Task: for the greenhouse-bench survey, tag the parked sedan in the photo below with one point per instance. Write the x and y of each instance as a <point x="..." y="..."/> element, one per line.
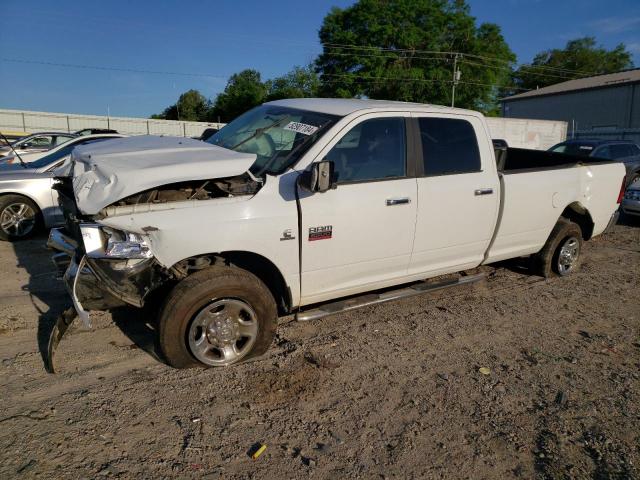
<point x="37" y="142"/>
<point x="27" y="201"/>
<point x="621" y="150"/>
<point x="631" y="202"/>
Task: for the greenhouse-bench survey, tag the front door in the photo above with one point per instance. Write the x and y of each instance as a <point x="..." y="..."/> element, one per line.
<point x="359" y="236"/>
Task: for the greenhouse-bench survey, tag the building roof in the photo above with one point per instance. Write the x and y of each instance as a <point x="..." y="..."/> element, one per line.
<point x="346" y="106"/>
<point x="598" y="81"/>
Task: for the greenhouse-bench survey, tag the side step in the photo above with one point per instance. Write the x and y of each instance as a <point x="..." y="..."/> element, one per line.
<point x="376" y="298"/>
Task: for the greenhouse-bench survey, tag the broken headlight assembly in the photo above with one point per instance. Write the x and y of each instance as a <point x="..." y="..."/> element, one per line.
<point x="106" y="242"/>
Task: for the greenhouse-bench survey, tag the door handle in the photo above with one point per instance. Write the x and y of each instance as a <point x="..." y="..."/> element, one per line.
<point x="397" y="201"/>
<point x="484" y="191"/>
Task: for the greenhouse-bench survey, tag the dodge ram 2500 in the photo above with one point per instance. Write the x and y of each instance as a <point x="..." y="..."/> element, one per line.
<point x="301" y="206"/>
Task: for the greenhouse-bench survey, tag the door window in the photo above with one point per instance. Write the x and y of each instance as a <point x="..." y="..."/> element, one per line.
<point x="372" y="150"/>
<point x="40" y="142"/>
<point x="449" y="146"/>
<point x="60" y="139"/>
<point x="620" y="150"/>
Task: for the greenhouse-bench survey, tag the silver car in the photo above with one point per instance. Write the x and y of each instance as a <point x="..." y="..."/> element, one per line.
<point x="631" y="201"/>
<point x="27" y="201"/>
<point x="38" y="142"/>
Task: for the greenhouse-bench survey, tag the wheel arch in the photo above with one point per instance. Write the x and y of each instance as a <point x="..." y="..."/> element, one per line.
<point x="579" y="214"/>
<point x="257" y="264"/>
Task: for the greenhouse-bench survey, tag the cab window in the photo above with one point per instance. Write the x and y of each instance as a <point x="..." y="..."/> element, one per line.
<point x="449" y="146"/>
<point x="372" y="150"/>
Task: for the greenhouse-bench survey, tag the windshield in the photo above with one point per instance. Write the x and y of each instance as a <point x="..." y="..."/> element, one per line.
<point x="61" y="153"/>
<point x="277" y="135"/>
<point x="583" y="149"/>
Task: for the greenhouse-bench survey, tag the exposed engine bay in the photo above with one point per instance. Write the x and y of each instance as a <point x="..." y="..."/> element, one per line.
<point x="243" y="184"/>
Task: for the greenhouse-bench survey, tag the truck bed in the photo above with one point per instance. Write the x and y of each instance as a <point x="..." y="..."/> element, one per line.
<point x="537" y="187"/>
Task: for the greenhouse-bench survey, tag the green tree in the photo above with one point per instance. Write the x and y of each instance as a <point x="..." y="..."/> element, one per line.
<point x="579" y="58"/>
<point x="394" y="50"/>
<point x="244" y="91"/>
<point x="300" y="82"/>
<point x="191" y="106"/>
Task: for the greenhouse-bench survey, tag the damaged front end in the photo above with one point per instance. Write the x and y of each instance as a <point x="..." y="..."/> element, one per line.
<point x="105" y="268"/>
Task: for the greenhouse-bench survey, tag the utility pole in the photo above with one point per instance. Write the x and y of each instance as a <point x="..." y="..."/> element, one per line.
<point x="456" y="79"/>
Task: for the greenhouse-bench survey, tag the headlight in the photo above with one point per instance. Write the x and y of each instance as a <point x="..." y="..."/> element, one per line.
<point x="106" y="242"/>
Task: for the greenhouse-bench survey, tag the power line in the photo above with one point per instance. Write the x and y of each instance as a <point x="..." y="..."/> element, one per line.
<point x="450" y="53"/>
<point x="420" y="80"/>
<point x="115" y="69"/>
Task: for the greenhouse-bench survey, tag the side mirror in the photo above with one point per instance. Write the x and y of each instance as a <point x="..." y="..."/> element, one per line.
<point x="319" y="178"/>
<point x="25" y="145"/>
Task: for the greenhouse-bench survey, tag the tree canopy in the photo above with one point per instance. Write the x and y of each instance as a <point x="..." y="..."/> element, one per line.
<point x="579" y="58"/>
<point x="191" y="106"/>
<point x="407" y="50"/>
<point x="393" y="50"/>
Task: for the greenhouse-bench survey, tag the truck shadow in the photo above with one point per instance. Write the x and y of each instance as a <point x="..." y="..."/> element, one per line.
<point x="45" y="292"/>
<point x="139" y="326"/>
<point x="47" y="295"/>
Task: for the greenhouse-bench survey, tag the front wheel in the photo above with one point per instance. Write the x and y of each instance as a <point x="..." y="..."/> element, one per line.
<point x="19" y="217"/>
<point x="216" y="317"/>
<point x="561" y="254"/>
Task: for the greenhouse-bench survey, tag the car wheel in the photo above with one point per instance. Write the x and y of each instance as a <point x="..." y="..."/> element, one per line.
<point x="561" y="253"/>
<point x="216" y="317"/>
<point x="19" y="217"/>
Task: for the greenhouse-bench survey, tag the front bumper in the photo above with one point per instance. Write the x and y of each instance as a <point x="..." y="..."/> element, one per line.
<point x="631" y="207"/>
<point x="103" y="284"/>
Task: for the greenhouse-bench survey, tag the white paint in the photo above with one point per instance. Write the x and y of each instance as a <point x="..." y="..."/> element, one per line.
<point x="528" y="133"/>
<point x="444" y="228"/>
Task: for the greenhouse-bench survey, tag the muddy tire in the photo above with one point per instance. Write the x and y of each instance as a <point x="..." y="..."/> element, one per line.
<point x="20" y="218"/>
<point x="216" y="317"/>
<point x="560" y="256"/>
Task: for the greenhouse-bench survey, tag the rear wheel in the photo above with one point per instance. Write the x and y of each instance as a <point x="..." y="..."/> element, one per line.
<point x="19" y="217"/>
<point x="561" y="254"/>
<point x="216" y="317"/>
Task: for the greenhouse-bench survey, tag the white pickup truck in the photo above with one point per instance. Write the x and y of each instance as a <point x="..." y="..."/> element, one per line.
<point x="301" y="207"/>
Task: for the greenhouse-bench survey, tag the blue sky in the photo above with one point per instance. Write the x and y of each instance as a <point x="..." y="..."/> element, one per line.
<point x="223" y="37"/>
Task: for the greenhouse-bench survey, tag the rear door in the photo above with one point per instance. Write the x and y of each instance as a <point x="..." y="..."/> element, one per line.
<point x="458" y="194"/>
<point x="359" y="236"/>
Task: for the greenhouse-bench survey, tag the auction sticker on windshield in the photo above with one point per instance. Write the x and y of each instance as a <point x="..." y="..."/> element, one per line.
<point x="302" y="128"/>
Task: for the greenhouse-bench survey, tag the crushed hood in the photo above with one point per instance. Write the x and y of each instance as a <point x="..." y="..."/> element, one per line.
<point x="108" y="171"/>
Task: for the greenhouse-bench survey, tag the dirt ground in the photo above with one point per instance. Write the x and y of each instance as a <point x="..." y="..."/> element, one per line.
<point x="391" y="391"/>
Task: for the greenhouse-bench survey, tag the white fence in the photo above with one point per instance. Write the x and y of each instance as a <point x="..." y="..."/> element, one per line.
<point x="526" y="133"/>
<point x="27" y="121"/>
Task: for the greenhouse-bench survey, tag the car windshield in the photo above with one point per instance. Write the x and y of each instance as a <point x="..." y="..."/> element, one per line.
<point x="277" y="135"/>
<point x="61" y="153"/>
<point x="583" y="149"/>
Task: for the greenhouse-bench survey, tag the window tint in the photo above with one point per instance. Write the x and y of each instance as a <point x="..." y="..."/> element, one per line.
<point x="372" y="150"/>
<point x="449" y="146"/>
<point x="620" y="150"/>
<point x="60" y="139"/>
<point x="40" y="142"/>
<point x="62" y="152"/>
<point x="603" y="152"/>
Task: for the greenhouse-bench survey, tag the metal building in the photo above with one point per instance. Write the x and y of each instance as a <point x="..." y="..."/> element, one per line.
<point x="603" y="106"/>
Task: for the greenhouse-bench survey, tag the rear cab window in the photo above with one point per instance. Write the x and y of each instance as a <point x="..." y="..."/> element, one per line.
<point x="449" y="146"/>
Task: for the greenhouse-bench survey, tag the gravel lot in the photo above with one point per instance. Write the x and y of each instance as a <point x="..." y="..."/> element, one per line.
<point x="392" y="391"/>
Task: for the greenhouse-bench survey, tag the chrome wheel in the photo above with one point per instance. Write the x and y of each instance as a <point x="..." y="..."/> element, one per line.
<point x="17" y="220"/>
<point x="568" y="255"/>
<point x="223" y="332"/>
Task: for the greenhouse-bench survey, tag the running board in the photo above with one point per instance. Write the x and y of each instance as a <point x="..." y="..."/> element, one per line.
<point x="388" y="296"/>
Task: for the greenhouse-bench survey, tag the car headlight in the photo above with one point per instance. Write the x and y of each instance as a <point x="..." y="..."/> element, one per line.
<point x="106" y="242"/>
